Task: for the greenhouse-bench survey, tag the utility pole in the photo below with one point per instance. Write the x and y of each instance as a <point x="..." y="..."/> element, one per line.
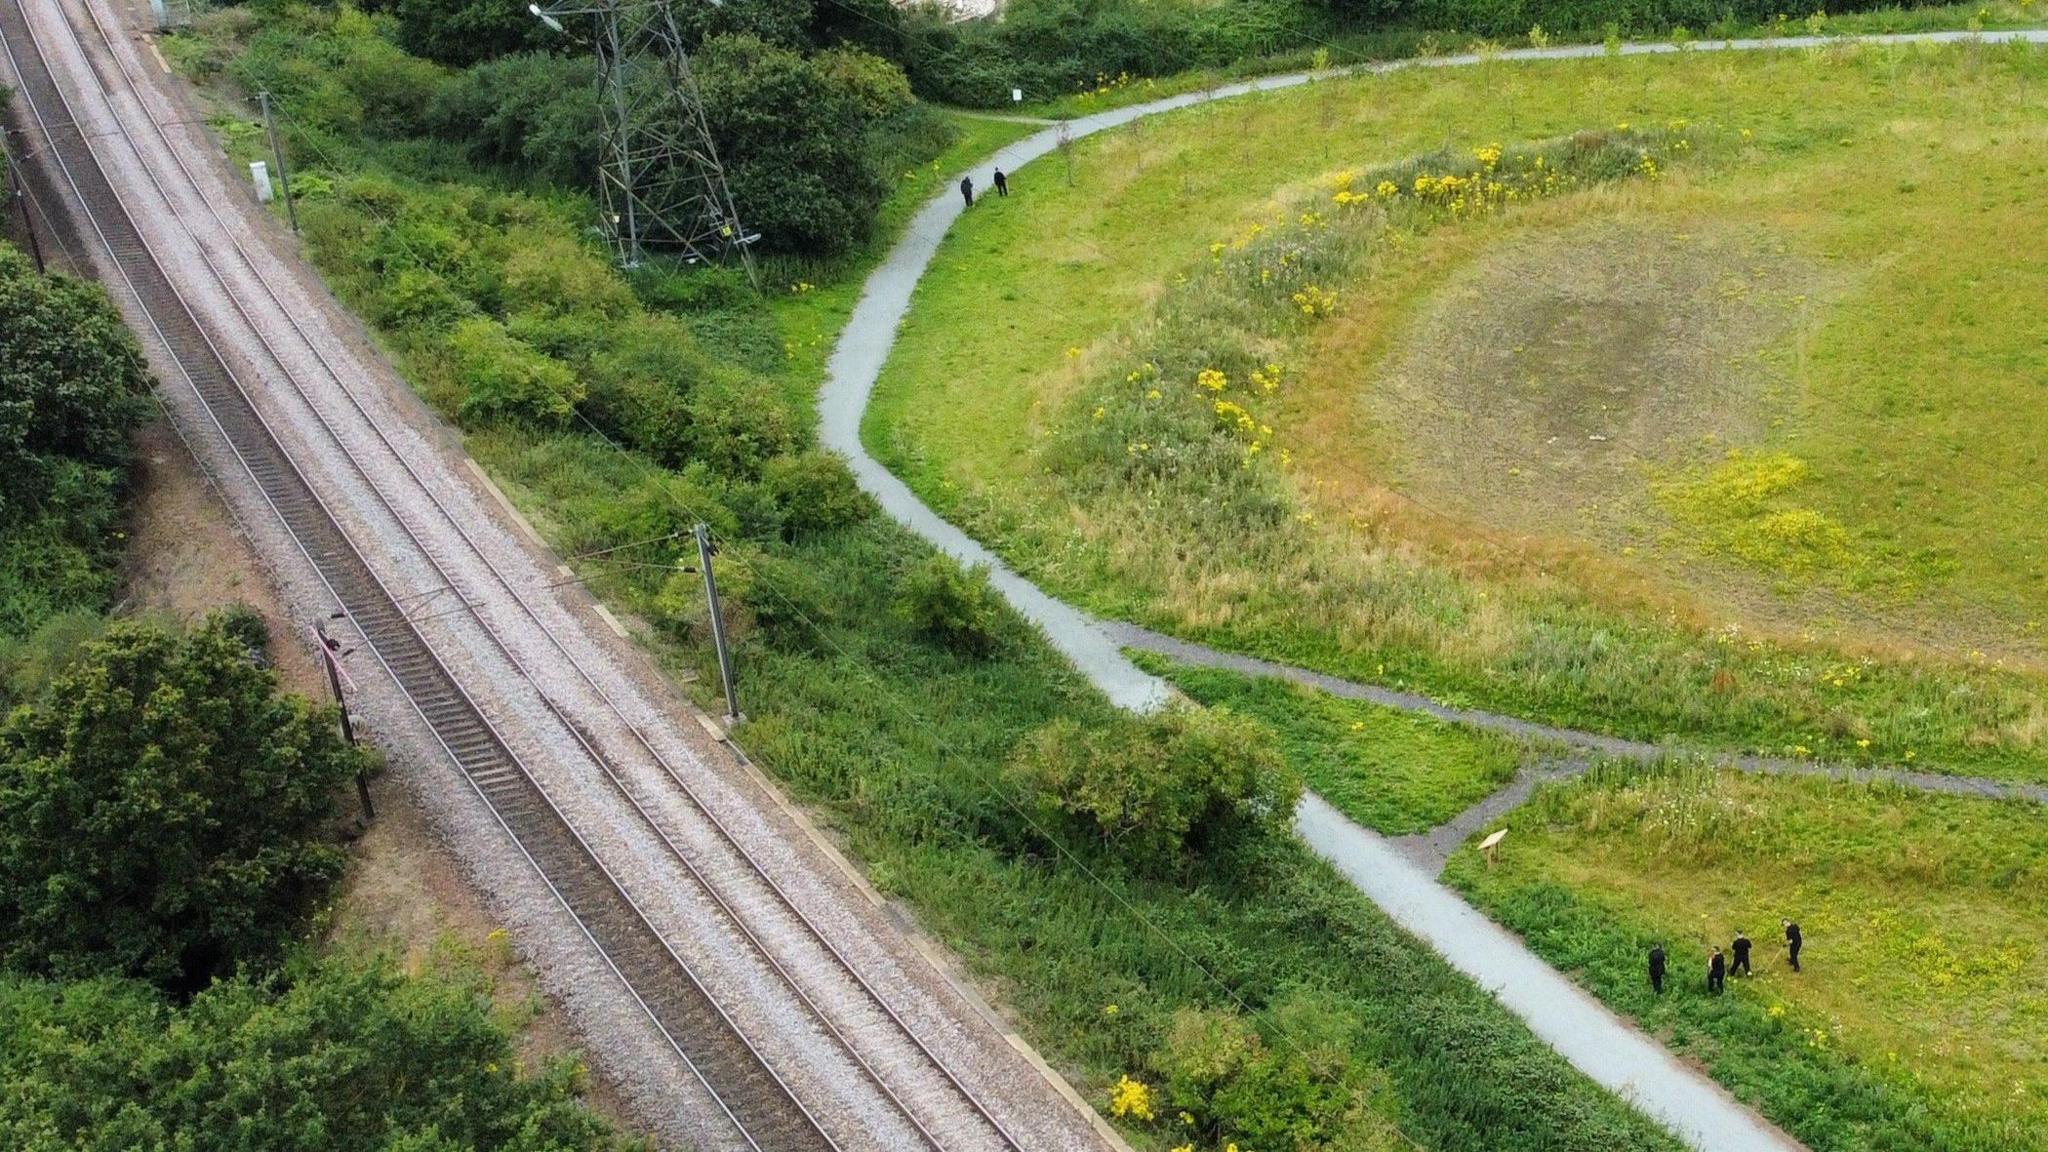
<point x="20" y="189"/>
<point x="733" y="715"/>
<point x="660" y="181"/>
<point x="284" y="178"/>
<point x="330" y="656"/>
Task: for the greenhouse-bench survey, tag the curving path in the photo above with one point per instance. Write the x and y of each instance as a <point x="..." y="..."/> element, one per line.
<point x="1620" y="748"/>
<point x="1598" y="1043"/>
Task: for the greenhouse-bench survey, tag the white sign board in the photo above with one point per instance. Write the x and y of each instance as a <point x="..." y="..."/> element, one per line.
<point x="1016" y="95"/>
<point x="259" y="175"/>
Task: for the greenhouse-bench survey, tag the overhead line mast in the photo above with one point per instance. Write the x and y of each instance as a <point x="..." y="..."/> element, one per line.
<point x="661" y="182"/>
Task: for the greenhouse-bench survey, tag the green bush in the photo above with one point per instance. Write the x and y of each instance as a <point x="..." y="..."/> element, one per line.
<point x="337" y="1056"/>
<point x="530" y="112"/>
<point x="735" y="425"/>
<point x="465" y="32"/>
<point x="952" y="605"/>
<point x="505" y="380"/>
<point x="815" y="492"/>
<point x="792" y="132"/>
<point x="1158" y="789"/>
<point x="73" y="388"/>
<point x="165" y="812"/>
<point x="1228" y="1086"/>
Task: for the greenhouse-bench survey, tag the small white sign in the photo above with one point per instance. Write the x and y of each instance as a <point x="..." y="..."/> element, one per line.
<point x="259" y="175"/>
<point x="1016" y="95"/>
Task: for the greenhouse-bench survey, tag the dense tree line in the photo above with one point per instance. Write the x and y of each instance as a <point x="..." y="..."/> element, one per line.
<point x="72" y="390"/>
<point x="807" y="119"/>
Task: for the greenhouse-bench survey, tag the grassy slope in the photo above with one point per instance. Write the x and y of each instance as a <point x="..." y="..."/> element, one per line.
<point x="1396" y="772"/>
<point x="990" y="348"/>
<point x="1921" y="1018"/>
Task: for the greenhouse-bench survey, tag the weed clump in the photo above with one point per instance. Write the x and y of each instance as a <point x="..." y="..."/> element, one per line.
<point x="1158" y="790"/>
<point x="955" y="606"/>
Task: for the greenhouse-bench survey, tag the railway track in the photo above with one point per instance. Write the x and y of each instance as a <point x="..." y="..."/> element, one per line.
<point x="762" y="1107"/>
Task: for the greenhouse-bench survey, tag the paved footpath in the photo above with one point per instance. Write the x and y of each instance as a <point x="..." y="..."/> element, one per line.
<point x="1604" y="1047"/>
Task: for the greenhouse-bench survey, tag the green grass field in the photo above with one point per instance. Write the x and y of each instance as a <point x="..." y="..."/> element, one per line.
<point x="1919" y="1016"/>
<point x="1723" y="454"/>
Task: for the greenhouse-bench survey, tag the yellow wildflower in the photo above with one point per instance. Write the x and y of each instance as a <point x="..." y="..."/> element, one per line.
<point x="1130" y="1098"/>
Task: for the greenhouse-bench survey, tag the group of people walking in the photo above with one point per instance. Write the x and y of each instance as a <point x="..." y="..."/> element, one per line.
<point x="1718" y="966"/>
<point x="967" y="187"/>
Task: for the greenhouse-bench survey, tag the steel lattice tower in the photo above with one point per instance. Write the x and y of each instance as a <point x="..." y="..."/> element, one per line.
<point x="661" y="182"/>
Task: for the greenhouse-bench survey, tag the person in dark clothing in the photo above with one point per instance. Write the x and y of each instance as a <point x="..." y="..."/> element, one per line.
<point x="1792" y="943"/>
<point x="967" y="190"/>
<point x="1002" y="183"/>
<point x="1657" y="969"/>
<point x="1741" y="953"/>
<point x="1717" y="972"/>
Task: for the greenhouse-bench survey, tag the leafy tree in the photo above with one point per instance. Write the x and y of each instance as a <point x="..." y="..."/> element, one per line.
<point x="465" y="32"/>
<point x="955" y="606"/>
<point x="792" y="133"/>
<point x="165" y="812"/>
<point x="338" y="1056"/>
<point x="784" y="23"/>
<point x="1157" y="789"/>
<point x="73" y="388"/>
<point x="531" y="111"/>
<point x="72" y="381"/>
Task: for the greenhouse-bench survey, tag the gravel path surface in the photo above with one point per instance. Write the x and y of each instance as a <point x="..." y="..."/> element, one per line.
<point x="1605" y="1048"/>
<point x="688" y="827"/>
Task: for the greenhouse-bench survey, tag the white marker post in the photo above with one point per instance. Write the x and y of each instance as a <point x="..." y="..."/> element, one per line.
<point x="259" y="175"/>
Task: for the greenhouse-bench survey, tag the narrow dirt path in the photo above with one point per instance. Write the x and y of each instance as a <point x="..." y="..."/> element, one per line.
<point x="1600" y="1044"/>
<point x="1189" y="652"/>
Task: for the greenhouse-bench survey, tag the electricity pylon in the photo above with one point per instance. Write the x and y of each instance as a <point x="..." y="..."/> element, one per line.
<point x="661" y="182"/>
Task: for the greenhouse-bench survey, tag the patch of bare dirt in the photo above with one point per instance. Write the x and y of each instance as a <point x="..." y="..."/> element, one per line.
<point x="186" y="558"/>
<point x="1544" y="383"/>
<point x="405" y="896"/>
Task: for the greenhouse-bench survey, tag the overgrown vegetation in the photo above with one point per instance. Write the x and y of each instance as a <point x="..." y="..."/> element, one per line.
<point x="812" y="129"/>
<point x="332" y="1054"/>
<point x="1915" y="1022"/>
<point x="73" y="388"/>
<point x="165" y="813"/>
<point x="169" y="833"/>
<point x="619" y="411"/>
